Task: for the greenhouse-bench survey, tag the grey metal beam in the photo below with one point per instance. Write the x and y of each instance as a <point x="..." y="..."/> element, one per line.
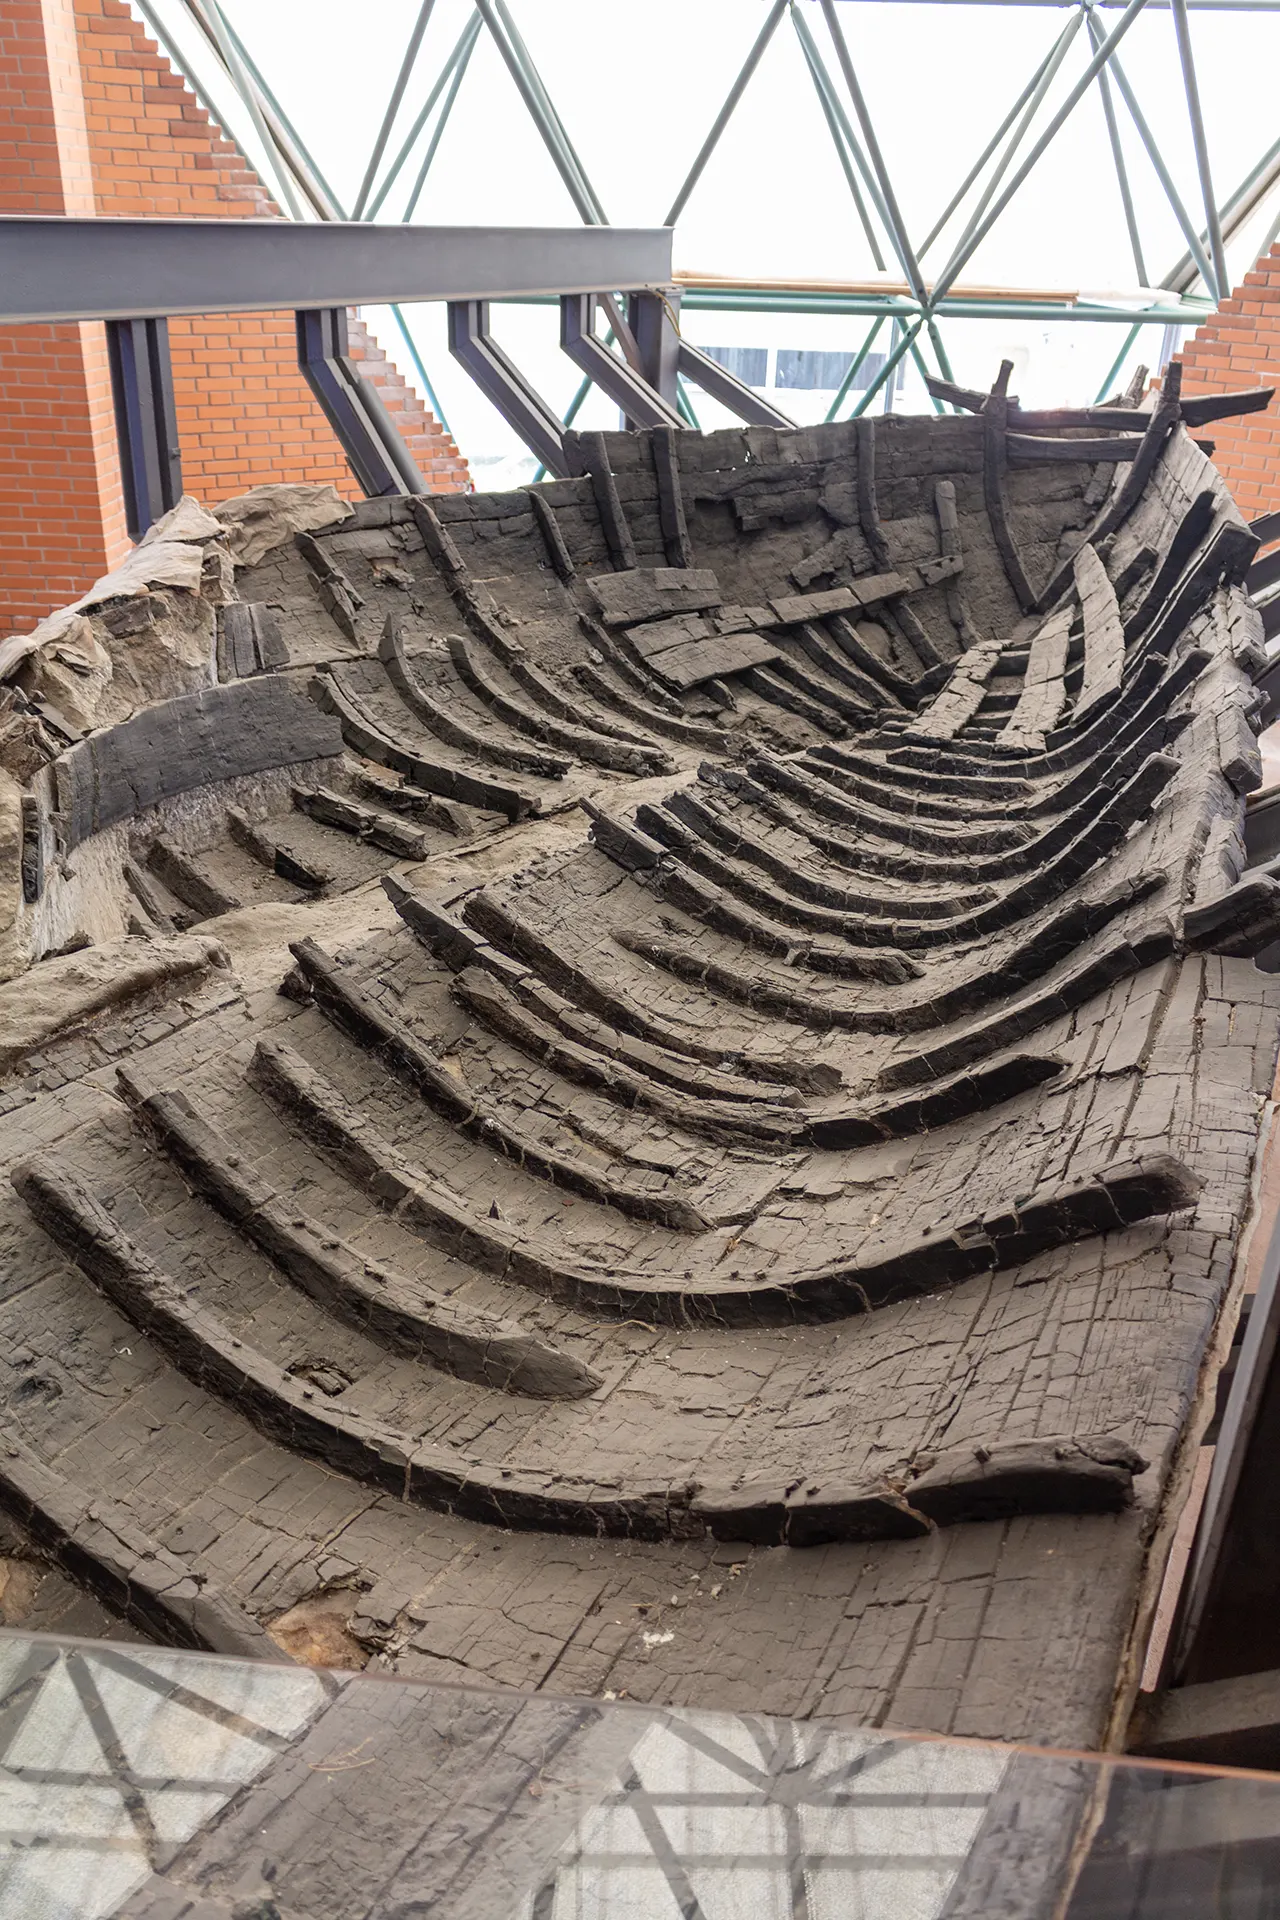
<point x="725" y="114"/>
<point x="393" y="105"/>
<point x="1068" y="107"/>
<point x="1232" y="215"/>
<point x="831" y="113"/>
<point x="58" y="268"/>
<point x="1182" y="28"/>
<point x="1162" y="173"/>
<point x="897" y="226"/>
<point x="1066" y="34"/>
<point x="1117" y="154"/>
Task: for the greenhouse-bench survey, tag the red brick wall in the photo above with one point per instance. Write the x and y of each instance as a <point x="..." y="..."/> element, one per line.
<point x="61" y="516"/>
<point x="1240" y="347"/>
<point x="94" y="121"/>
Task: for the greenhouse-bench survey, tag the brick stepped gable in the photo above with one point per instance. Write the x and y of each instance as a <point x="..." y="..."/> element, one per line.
<point x="846" y="1135"/>
<point x="1236" y="346"/>
<point x="104" y="126"/>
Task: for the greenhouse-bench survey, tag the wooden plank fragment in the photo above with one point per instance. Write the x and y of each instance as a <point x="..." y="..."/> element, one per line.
<point x="1103" y="631"/>
<point x="1027" y="449"/>
<point x="1044" y="690"/>
<point x="659" y="636"/>
<point x="869" y="591"/>
<point x="699" y="660"/>
<point x="962" y="695"/>
<point x="650" y="593"/>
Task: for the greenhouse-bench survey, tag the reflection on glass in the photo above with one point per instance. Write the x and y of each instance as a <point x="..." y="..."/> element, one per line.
<point x="135" y="1780"/>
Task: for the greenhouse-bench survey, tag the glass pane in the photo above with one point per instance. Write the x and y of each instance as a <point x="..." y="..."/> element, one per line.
<point x="134" y="1780"/>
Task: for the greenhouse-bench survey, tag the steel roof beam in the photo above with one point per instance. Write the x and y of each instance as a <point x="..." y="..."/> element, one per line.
<point x="58" y="268"/>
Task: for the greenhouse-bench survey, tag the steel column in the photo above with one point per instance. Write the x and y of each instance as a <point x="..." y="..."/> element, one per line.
<point x="502" y="383"/>
<point x="655" y="326"/>
<point x="625" y="388"/>
<point x="375" y="451"/>
<point x="146" y="421"/>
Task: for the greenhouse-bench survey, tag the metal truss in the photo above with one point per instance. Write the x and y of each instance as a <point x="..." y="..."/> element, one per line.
<point x="930" y="292"/>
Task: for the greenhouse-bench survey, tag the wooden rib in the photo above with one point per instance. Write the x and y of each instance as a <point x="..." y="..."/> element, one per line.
<point x="203" y="1347"/>
<point x="101" y="1546"/>
<point x="691" y="732"/>
<point x="675" y="531"/>
<point x="868" y="508"/>
<point x="601" y="749"/>
<point x="361" y="732"/>
<point x="408" y="1317"/>
<point x="613" y="519"/>
<point x="1093" y="1201"/>
<point x="995" y="459"/>
<point x="552" y="538"/>
<point x="713" y="906"/>
<point x="575" y="1059"/>
<point x="512" y="934"/>
<point x="342" y="1002"/>
<point x="1036" y="955"/>
<point x="1116" y="511"/>
<point x="437" y="718"/>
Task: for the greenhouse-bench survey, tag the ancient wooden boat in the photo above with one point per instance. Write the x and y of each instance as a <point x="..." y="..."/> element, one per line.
<point x="699" y="1142"/>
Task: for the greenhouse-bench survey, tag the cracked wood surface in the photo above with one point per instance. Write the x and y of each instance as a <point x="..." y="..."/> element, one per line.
<point x="789" y="1125"/>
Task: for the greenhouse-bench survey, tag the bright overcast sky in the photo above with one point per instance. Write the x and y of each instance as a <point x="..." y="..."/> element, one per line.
<point x="638" y="87"/>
